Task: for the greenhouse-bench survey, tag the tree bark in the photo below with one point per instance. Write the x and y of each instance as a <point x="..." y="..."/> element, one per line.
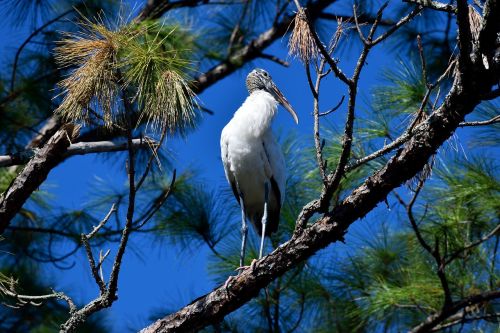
<point x="34" y="174"/>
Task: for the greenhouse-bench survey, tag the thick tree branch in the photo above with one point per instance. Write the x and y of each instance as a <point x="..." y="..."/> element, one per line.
<point x="34" y="174"/>
<point x="405" y="164"/>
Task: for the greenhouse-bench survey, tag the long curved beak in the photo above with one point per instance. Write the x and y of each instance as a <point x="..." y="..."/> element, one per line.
<point x="279" y="96"/>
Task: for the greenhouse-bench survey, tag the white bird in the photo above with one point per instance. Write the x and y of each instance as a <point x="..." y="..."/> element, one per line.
<point x="253" y="161"/>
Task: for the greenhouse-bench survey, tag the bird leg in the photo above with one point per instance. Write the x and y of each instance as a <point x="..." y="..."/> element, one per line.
<point x="264" y="218"/>
<point x="244" y="232"/>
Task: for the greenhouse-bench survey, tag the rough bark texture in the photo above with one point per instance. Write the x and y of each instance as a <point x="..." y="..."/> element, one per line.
<point x="405" y="164"/>
<point x="34" y="174"/>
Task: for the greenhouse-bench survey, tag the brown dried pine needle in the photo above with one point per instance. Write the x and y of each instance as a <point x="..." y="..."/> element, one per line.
<point x="475" y="21"/>
<point x="93" y="81"/>
<point x="301" y="42"/>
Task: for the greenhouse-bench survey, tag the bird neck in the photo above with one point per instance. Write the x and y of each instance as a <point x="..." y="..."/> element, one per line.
<point x="258" y="111"/>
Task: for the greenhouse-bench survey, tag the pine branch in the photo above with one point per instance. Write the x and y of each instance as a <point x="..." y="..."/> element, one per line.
<point x="434" y="320"/>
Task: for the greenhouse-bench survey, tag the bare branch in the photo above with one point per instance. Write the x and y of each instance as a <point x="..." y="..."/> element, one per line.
<point x="79" y="148"/>
<point x="275" y="59"/>
<point x="436" y="5"/>
<point x="483" y="239"/>
<point x="156" y="204"/>
<point x="335" y="108"/>
<point x="9" y="290"/>
<point x="85" y="240"/>
<point x="398" y="25"/>
<point x="30" y="37"/>
<point x="491" y="121"/>
<point x="360" y="33"/>
<point x="435" y="319"/>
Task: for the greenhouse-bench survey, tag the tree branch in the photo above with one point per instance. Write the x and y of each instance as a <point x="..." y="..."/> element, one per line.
<point x="436" y="5"/>
<point x="405" y="164"/>
<point x="433" y="320"/>
<point x="34" y="174"/>
<point x="491" y="121"/>
<point x="79" y="148"/>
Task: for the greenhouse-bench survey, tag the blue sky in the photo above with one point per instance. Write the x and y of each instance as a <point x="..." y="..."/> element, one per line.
<point x="155" y="277"/>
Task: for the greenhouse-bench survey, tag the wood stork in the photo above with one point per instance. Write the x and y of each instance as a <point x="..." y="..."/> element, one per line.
<point x="253" y="161"/>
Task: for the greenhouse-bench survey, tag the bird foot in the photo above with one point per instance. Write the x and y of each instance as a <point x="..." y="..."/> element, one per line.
<point x="230" y="279"/>
<point x="242" y="268"/>
<point x="227" y="284"/>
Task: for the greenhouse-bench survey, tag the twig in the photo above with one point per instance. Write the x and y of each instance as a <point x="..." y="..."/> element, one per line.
<point x="317" y="138"/>
<point x="435" y="319"/>
<point x="411" y="218"/>
<point x="85" y="240"/>
<point x="35" y="300"/>
<point x="400" y="23"/>
<point x="407" y="135"/>
<point x="33" y="34"/>
<point x="154" y="155"/>
<point x="491" y="121"/>
<point x="464" y="319"/>
<point x="422" y="60"/>
<point x="157" y="204"/>
<point x="360" y="33"/>
<point x="483" y="239"/>
<point x="335" y="108"/>
<point x="275" y="59"/>
<point x="236" y="28"/>
<point x="334" y="180"/>
<point x="435" y="253"/>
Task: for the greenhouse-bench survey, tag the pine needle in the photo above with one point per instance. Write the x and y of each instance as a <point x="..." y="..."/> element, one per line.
<point x="301" y="42"/>
<point x="93" y="81"/>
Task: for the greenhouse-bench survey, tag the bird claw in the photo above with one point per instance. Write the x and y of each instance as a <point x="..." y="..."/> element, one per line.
<point x="252" y="266"/>
<point x="227" y="284"/>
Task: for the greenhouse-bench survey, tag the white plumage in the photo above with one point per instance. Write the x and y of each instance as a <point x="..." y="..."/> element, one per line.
<point x="252" y="158"/>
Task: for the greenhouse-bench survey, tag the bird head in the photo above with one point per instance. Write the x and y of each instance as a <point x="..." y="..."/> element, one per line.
<point x="259" y="79"/>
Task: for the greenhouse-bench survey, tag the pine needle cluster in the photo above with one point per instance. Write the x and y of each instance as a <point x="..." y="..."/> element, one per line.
<point x="141" y="65"/>
<point x="301" y="41"/>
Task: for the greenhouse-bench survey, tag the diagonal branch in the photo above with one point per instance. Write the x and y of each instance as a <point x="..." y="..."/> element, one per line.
<point x="435" y="319"/>
<point x="405" y="164"/>
<point x="34" y="174"/>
